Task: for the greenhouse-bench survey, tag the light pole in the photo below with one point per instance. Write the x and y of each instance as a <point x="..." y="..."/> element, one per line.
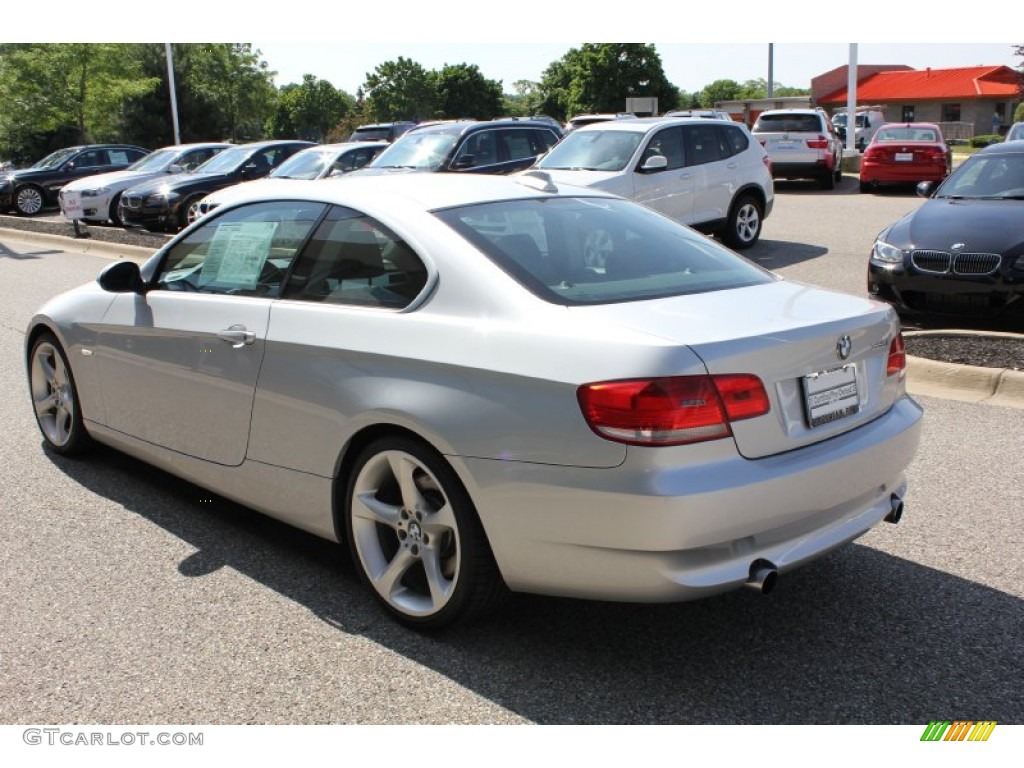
<point x="171" y="88"/>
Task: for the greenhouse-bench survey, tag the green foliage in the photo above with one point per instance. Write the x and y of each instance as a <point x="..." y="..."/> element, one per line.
<point x="308" y="111"/>
<point x="1018" y="113"/>
<point x="985" y="139"/>
<point x="719" y="90"/>
<point x="462" y="91"/>
<point x="400" y="90"/>
<point x="238" y="81"/>
<point x="599" y="77"/>
<point x="59" y="94"/>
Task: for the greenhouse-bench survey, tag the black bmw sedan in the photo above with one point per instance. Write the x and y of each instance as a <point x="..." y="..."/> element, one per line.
<point x="962" y="251"/>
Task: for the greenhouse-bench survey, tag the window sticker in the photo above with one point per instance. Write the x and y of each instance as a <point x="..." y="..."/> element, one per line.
<point x="237" y="253"/>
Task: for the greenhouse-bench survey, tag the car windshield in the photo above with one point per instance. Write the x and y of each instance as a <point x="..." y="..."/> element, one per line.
<point x="907" y="134"/>
<point x="226" y="161"/>
<point x="304" y="165"/>
<point x="1016" y="132"/>
<point x="422" y="150"/>
<point x="160" y="160"/>
<point x="593" y="151"/>
<point x="55" y="159"/>
<point x="986" y="177"/>
<point x="583" y="251"/>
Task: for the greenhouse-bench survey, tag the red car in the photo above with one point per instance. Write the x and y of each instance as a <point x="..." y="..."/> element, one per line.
<point x="905" y="153"/>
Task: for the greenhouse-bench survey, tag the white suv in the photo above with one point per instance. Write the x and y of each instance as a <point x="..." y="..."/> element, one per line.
<point x="801" y="144"/>
<point x="709" y="174"/>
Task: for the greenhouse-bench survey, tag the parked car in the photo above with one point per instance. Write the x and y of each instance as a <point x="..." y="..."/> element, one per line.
<point x="1015" y="132"/>
<point x="902" y="153"/>
<point x="317" y="162"/>
<point x="801" y="144"/>
<point x="96" y="198"/>
<point x="170" y="204"/>
<point x="960" y="252"/>
<point x="467" y="146"/>
<point x="706" y="173"/>
<point x="580" y="120"/>
<point x="381" y="131"/>
<point x="31" y="189"/>
<point x="867" y="122"/>
<point x="451" y="391"/>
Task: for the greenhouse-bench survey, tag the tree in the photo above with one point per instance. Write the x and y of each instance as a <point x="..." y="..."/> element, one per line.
<point x="54" y="94"/>
<point x="719" y="90"/>
<point x="599" y="77"/>
<point x="308" y="111"/>
<point x="462" y="91"/>
<point x="400" y="90"/>
<point x="233" y="76"/>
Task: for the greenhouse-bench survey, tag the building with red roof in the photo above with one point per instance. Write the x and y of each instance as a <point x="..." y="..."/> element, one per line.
<point x="963" y="100"/>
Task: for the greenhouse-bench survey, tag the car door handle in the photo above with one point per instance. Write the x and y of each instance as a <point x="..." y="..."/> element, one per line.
<point x="237" y="336"/>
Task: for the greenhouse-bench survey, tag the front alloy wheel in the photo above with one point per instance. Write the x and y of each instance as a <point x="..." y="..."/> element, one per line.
<point x="415" y="538"/>
<point x="55" y="398"/>
<point x="29" y="201"/>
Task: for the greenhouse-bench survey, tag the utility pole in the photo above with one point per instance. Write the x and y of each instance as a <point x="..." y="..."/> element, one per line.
<point x="172" y="89"/>
<point x="771" y="70"/>
<point x="851" y="99"/>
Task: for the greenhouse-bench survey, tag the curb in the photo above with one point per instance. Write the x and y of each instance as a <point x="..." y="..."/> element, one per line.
<point x="968" y="383"/>
<point x="86" y="245"/>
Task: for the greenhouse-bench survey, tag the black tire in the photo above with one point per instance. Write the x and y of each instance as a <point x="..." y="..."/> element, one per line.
<point x="29" y="200"/>
<point x="745" y="221"/>
<point x="113" y="214"/>
<point x="828" y="181"/>
<point x="415" y="537"/>
<point x="55" y="400"/>
<point x="865" y="187"/>
<point x="839" y="171"/>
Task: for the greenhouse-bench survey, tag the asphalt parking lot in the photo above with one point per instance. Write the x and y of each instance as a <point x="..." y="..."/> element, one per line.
<point x="129" y="596"/>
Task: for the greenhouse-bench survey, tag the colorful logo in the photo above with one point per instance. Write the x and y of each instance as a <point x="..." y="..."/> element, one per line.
<point x="958" y="730"/>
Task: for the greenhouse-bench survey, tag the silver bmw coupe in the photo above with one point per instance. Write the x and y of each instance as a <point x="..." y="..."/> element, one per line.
<point x="483" y="384"/>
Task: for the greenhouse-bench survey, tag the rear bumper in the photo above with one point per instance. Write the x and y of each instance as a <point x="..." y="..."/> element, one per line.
<point x="648" y="533"/>
<point x="893" y="173"/>
<point x="803" y="170"/>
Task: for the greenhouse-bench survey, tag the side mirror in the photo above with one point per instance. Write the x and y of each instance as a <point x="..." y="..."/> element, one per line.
<point x="122" y="277"/>
<point x="925" y="188"/>
<point x="466" y="161"/>
<point x="654" y="163"/>
<point x="176" y="169"/>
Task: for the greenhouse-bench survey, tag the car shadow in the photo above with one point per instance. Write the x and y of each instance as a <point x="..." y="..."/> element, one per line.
<point x="775" y="254"/>
<point x="1009" y="322"/>
<point x="861" y="636"/>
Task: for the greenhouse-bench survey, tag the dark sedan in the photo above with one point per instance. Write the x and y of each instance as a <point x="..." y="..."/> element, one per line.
<point x="31" y="189"/>
<point x="962" y="251"/>
<point x="164" y="204"/>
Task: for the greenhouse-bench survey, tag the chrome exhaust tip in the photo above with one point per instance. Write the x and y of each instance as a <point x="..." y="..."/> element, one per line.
<point x="895" y="509"/>
<point x="763" y="576"/>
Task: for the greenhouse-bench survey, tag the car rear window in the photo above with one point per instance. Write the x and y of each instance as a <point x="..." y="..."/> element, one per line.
<point x="580" y="251"/>
<point x="791" y="123"/>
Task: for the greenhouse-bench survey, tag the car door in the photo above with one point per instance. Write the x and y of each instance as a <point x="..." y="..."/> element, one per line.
<point x="715" y="172"/>
<point x="669" y="190"/>
<point x="178" y="364"/>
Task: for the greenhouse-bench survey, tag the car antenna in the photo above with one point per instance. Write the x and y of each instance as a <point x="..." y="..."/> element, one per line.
<point x="538" y="180"/>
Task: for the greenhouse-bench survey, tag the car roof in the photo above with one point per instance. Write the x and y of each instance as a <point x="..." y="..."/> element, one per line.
<point x="1002" y="148"/>
<point x="645" y="124"/>
<point x="463" y="126"/>
<point x="341" y="146"/>
<point x="410" y="192"/>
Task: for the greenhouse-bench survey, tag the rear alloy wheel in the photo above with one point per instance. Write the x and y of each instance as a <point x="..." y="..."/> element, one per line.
<point x="415" y="537"/>
<point x="55" y="398"/>
<point x="28" y="200"/>
<point x="193" y="212"/>
<point x="744" y="226"/>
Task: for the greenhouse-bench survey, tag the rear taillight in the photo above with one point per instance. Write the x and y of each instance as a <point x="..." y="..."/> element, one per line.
<point x="897" y="363"/>
<point x="819" y="143"/>
<point x="671" y="410"/>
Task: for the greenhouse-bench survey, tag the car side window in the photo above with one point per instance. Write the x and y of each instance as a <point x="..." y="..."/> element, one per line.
<point x="667" y="142"/>
<point x="355" y="260"/>
<point x="91" y="159"/>
<point x="701" y="144"/>
<point x="120" y="157"/>
<point x="481" y="147"/>
<point x="195" y="158"/>
<point x="735" y="139"/>
<point x="518" y="145"/>
<point x="246" y="251"/>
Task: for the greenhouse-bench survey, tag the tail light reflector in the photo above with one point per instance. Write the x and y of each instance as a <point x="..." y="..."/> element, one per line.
<point x="819" y="143"/>
<point x="672" y="410"/>
<point x="897" y="363"/>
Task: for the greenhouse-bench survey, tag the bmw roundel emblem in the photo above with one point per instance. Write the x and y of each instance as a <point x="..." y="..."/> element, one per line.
<point x="843" y="347"/>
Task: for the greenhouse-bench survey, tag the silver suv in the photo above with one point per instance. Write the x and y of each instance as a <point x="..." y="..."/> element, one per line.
<point x="710" y="174"/>
<point x="801" y="144"/>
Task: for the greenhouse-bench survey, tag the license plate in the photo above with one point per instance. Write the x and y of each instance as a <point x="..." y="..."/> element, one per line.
<point x="904" y="157"/>
<point x="831" y="395"/>
<point x="71" y="204"/>
<point x="785" y="144"/>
